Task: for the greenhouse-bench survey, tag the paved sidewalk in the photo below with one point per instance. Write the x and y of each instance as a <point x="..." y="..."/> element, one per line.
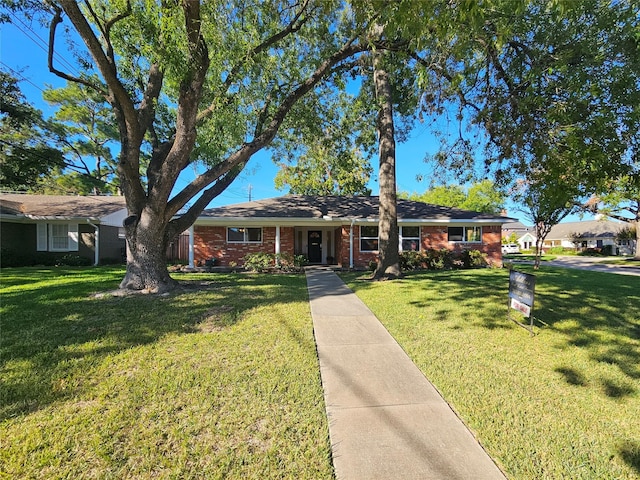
<point x="386" y="420"/>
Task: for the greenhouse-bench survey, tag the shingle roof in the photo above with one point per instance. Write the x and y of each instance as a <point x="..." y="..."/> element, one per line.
<point x="65" y="206"/>
<point x="587" y="229"/>
<point x="358" y="207"/>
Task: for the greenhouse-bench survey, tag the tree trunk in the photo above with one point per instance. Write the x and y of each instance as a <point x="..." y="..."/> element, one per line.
<point x="389" y="260"/>
<point x="147" y="255"/>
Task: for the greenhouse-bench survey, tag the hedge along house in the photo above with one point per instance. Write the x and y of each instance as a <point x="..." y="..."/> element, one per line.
<point x="336" y="230"/>
<point x="33" y="227"/>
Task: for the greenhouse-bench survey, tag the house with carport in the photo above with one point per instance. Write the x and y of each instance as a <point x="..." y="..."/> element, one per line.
<point x="336" y="230"/>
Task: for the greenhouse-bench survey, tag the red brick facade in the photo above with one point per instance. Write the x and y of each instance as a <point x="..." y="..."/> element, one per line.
<point x="211" y="242"/>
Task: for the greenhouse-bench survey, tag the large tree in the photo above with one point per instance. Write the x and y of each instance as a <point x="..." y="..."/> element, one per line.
<point x="330" y="156"/>
<point x="26" y="150"/>
<point x="555" y="86"/>
<point x="388" y="235"/>
<point x="208" y="84"/>
<point x="480" y="196"/>
<point x="87" y="133"/>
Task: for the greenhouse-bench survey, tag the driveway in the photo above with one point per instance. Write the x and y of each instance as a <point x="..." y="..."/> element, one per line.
<point x="598" y="264"/>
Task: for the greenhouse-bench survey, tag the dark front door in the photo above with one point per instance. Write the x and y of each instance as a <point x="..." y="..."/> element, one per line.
<point x="315" y="246"/>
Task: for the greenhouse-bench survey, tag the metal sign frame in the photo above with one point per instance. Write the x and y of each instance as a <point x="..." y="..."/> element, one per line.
<point x="521" y="296"/>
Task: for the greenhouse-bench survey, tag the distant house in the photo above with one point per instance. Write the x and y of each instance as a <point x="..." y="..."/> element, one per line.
<point x="36" y="227"/>
<point x="341" y="230"/>
<point x="592" y="234"/>
<point x="525" y="236"/>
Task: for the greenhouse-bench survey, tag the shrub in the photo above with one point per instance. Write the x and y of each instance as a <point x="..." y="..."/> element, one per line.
<point x="412" y="260"/>
<point x="556" y="250"/>
<point x="607" y="250"/>
<point x="70" y="260"/>
<point x="291" y="263"/>
<point x="259" y="262"/>
<point x="439" y="259"/>
<point x="473" y="259"/>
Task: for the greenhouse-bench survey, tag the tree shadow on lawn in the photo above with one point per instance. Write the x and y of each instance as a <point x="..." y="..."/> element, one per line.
<point x="598" y="312"/>
<point x="58" y="333"/>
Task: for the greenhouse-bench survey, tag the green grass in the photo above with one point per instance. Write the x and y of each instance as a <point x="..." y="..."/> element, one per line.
<point x="628" y="261"/>
<point x="564" y="403"/>
<point x="529" y="257"/>
<point x="221" y="381"/>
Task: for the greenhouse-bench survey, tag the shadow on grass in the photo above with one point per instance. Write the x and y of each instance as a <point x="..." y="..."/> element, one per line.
<point x="599" y="312"/>
<point x="54" y="332"/>
<point x="630" y="453"/>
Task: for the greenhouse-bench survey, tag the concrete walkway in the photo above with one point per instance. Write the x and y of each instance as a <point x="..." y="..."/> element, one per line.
<point x="386" y="420"/>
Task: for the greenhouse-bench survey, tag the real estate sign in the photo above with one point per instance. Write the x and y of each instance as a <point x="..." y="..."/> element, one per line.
<point x="521" y="294"/>
<point x="521" y="288"/>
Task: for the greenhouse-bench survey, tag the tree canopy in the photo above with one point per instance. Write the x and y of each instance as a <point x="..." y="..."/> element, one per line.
<point x="481" y="196"/>
<point x="26" y="151"/>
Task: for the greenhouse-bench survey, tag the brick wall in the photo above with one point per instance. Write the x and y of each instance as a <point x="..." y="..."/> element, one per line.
<point x="211" y="242"/>
<point x="436" y="237"/>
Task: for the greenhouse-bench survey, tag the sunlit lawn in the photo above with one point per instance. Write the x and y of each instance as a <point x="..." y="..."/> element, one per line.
<point x="222" y="381"/>
<point x="564" y="403"/>
<point x="217" y="382"/>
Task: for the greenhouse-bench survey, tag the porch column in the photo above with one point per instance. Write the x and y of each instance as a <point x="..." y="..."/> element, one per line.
<point x="278" y="245"/>
<point x="191" y="248"/>
<point x="351" y="245"/>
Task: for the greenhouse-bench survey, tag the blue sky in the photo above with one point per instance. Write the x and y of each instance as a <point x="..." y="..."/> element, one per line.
<point x="23" y="52"/>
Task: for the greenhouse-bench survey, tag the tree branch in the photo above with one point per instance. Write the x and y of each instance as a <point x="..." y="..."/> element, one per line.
<point x="293" y="26"/>
<point x="57" y="19"/>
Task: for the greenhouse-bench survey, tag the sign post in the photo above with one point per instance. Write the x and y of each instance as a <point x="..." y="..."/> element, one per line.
<point x="521" y="293"/>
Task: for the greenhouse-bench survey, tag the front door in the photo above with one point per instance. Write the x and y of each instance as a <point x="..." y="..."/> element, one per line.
<point x="315" y="246"/>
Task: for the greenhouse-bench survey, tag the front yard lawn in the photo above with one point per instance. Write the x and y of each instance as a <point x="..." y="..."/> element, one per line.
<point x="562" y="404"/>
<point x="221" y="381"/>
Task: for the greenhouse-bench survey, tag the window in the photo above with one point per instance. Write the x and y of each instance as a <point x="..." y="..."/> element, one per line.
<point x="410" y="238"/>
<point x="368" y="238"/>
<point x="464" y="234"/>
<point x="57" y="237"/>
<point x="244" y="235"/>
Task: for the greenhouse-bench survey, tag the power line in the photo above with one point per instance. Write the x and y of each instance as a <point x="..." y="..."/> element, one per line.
<point x="21" y="77"/>
<point x="41" y="43"/>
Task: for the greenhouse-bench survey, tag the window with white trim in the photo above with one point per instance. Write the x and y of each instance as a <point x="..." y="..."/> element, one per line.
<point x="369" y="238"/>
<point x="57" y="237"/>
<point x="410" y="238"/>
<point x="464" y="234"/>
<point x="244" y="235"/>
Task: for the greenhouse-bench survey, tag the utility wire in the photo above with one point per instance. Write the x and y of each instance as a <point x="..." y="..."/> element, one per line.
<point x="40" y="42"/>
<point x="21" y="77"/>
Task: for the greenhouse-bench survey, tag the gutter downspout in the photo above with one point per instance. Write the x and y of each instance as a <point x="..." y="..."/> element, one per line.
<point x="96" y="255"/>
<point x="351" y="244"/>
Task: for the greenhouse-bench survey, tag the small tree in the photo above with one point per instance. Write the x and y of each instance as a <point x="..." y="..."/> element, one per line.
<point x="547" y="201"/>
<point x="576" y="239"/>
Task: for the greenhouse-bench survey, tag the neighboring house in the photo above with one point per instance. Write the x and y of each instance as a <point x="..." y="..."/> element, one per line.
<point x="341" y="230"/>
<point x="525" y="236"/>
<point x="52" y="225"/>
<point x="592" y="234"/>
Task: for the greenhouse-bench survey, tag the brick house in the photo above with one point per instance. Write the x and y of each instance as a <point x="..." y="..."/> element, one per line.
<point x="33" y="227"/>
<point x="339" y="230"/>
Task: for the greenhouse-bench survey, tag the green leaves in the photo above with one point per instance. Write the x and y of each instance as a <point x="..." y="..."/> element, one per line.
<point x="26" y="153"/>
